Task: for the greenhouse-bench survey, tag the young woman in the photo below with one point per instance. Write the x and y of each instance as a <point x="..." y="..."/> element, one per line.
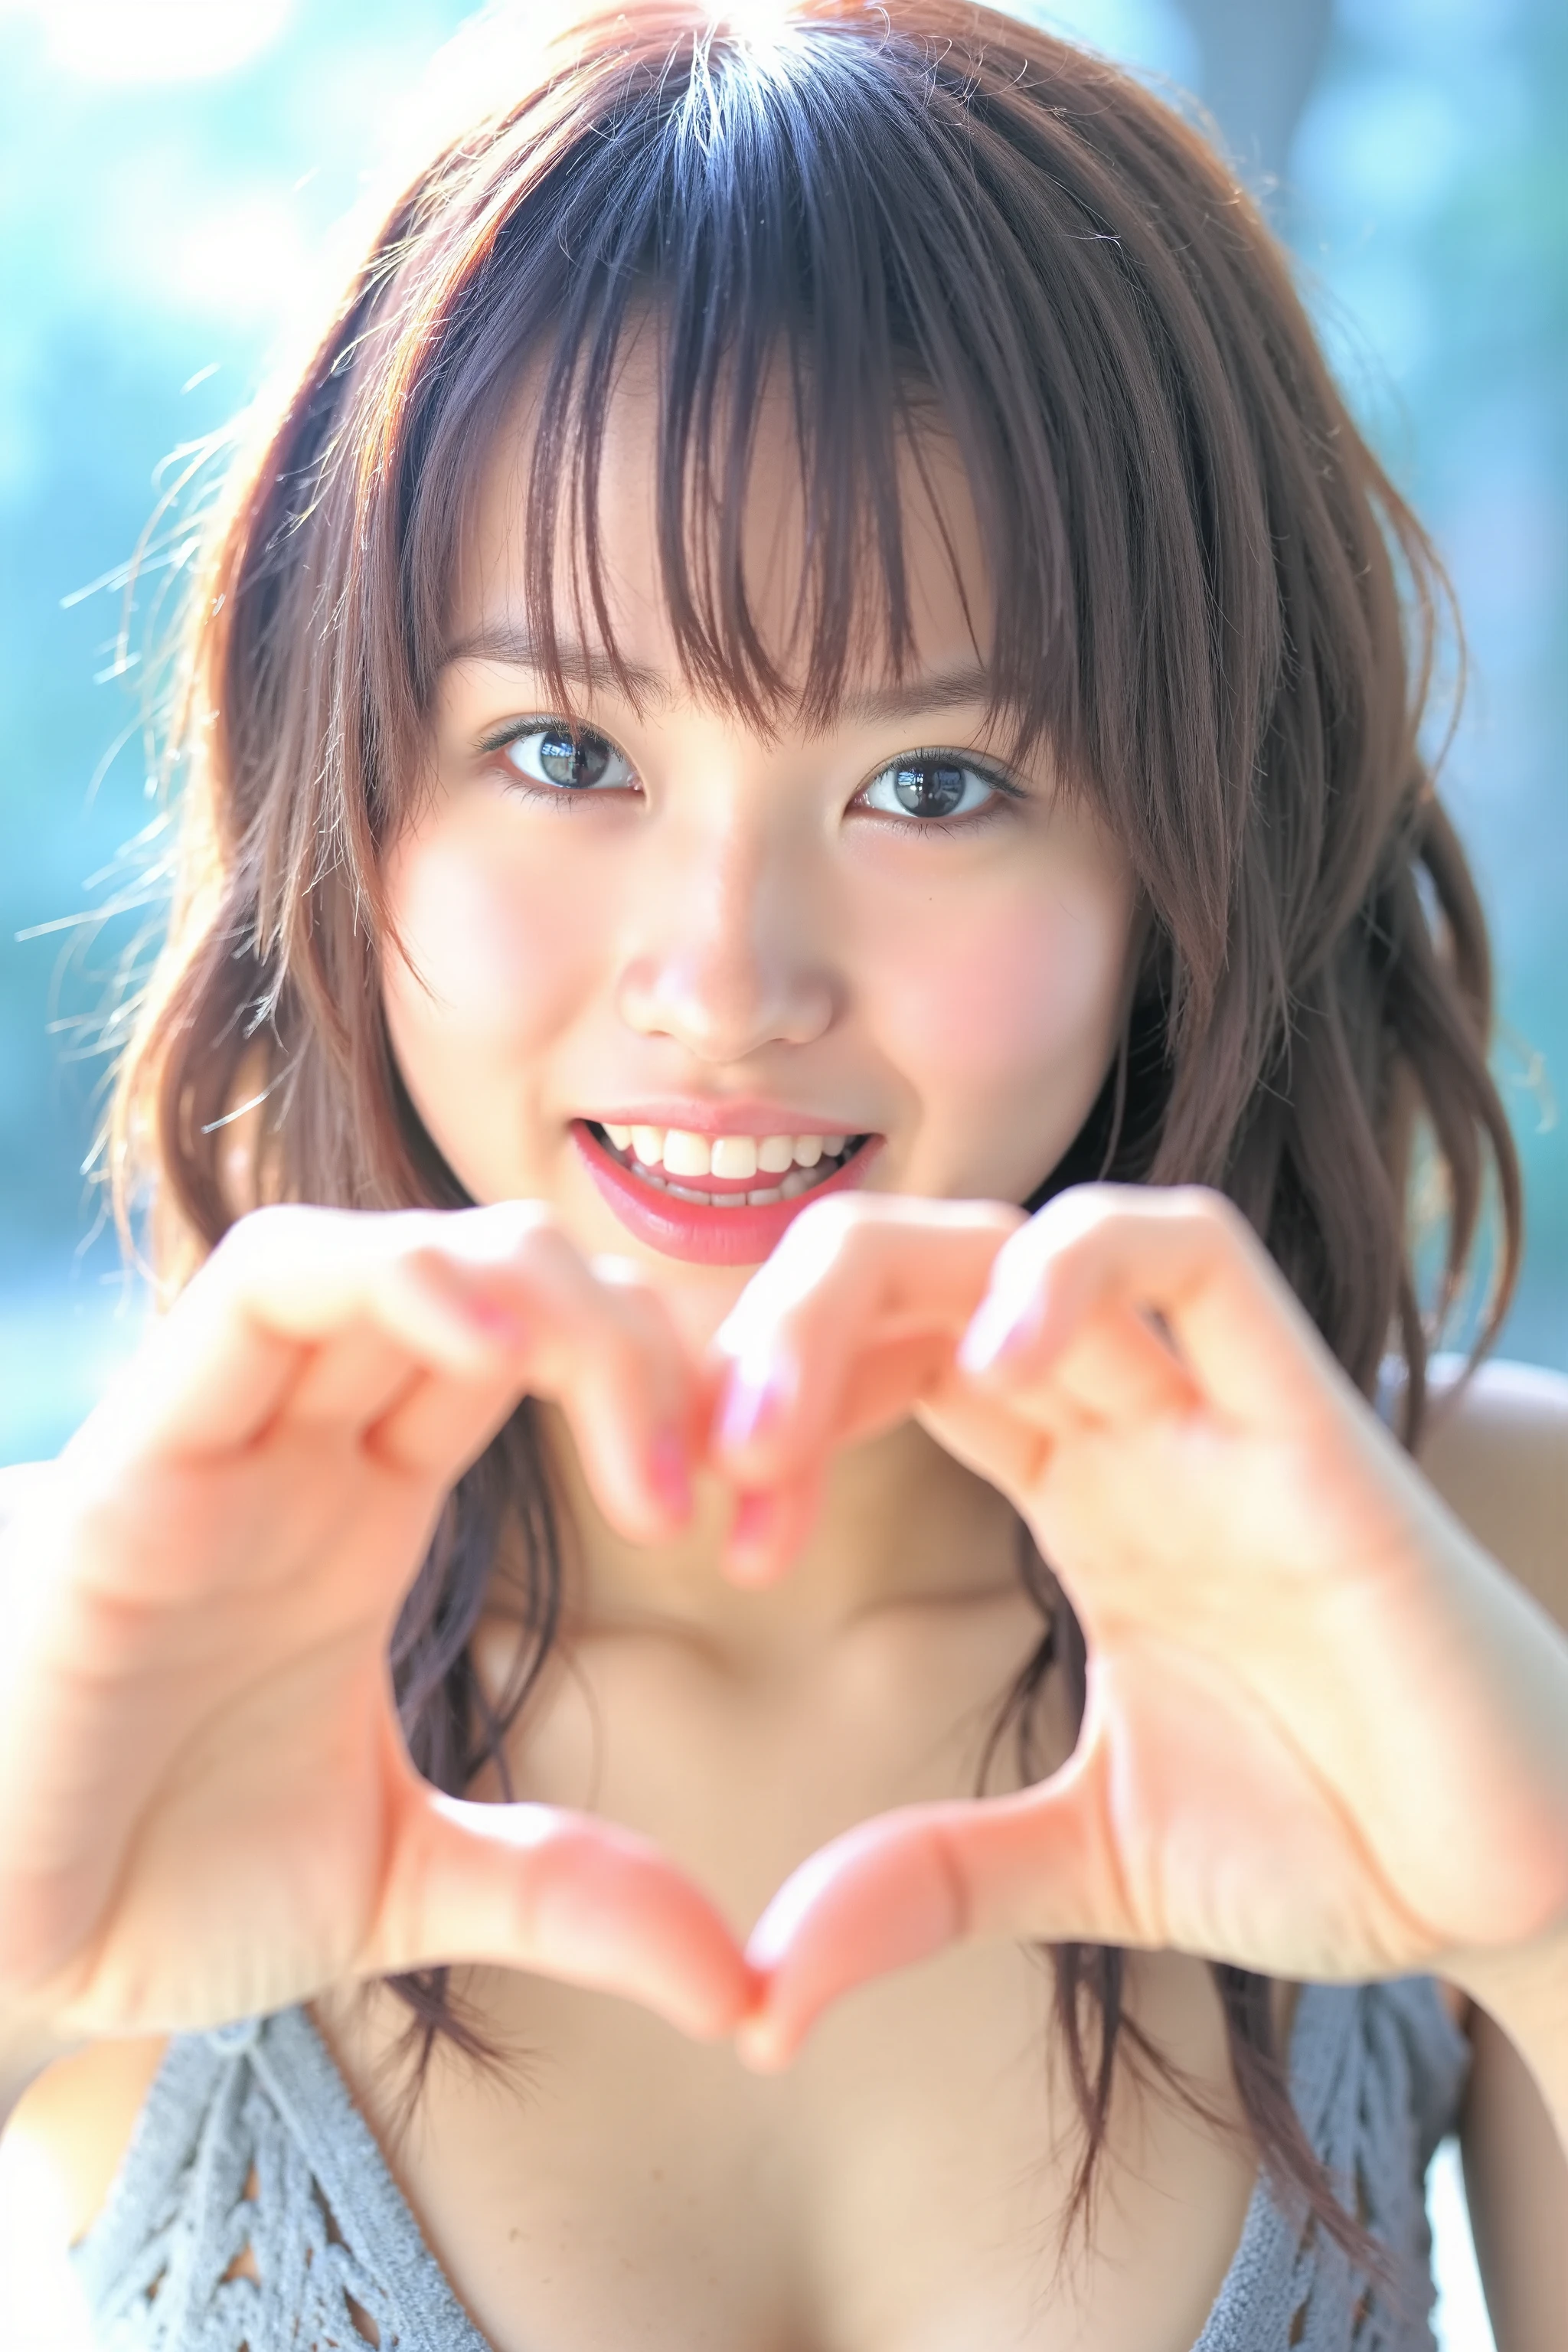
<point x="814" y="958"/>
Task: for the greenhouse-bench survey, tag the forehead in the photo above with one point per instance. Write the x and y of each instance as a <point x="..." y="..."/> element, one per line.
<point x="784" y="560"/>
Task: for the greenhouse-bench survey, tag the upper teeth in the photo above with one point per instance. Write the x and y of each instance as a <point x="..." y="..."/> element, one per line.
<point x="681" y="1153"/>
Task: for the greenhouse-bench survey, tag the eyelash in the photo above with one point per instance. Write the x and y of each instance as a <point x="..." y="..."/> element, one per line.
<point x="1009" y="795"/>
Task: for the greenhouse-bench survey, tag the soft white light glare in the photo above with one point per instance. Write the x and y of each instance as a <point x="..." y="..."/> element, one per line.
<point x="156" y="40"/>
<point x="1460" y="2323"/>
<point x="756" y="20"/>
<point x="42" y="2308"/>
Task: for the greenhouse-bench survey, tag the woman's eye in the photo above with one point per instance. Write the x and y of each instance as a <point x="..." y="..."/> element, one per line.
<point x="936" y="787"/>
<point x="566" y="758"/>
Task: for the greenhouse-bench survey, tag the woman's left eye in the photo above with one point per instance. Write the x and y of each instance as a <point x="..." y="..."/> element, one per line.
<point x="552" y="756"/>
<point x="934" y="785"/>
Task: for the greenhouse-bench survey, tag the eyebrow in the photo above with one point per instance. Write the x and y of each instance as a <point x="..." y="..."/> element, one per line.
<point x="509" y="646"/>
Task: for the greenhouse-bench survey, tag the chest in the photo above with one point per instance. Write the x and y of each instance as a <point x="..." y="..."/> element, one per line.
<point x="904" y="2186"/>
<point x="900" y="2189"/>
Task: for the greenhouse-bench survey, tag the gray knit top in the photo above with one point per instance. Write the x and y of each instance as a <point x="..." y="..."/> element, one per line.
<point x="249" y="2141"/>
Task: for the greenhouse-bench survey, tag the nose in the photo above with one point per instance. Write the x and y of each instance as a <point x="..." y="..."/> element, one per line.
<point x="726" y="955"/>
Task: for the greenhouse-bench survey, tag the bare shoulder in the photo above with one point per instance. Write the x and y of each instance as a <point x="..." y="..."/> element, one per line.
<point x="1516" y="2185"/>
<point x="74" y="2124"/>
<point x="1496" y="1448"/>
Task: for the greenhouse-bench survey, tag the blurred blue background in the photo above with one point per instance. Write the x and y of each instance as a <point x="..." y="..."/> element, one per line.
<point x="170" y="171"/>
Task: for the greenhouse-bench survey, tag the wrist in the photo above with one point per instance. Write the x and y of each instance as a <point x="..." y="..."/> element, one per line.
<point x="1524" y="1988"/>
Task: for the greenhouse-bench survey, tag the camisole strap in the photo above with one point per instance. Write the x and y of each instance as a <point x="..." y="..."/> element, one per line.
<point x="253" y="2207"/>
<point x="1377" y="2075"/>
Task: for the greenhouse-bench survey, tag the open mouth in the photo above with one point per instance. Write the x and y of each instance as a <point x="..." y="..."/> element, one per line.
<point x="722" y="1200"/>
<point x="728" y="1172"/>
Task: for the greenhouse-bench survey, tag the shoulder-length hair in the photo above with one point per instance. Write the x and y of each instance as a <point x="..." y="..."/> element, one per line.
<point x="1211" y="601"/>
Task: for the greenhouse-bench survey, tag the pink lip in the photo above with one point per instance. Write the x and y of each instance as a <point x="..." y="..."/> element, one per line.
<point x="685" y="1229"/>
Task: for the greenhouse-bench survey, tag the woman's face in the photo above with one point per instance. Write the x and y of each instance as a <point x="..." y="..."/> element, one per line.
<point x="641" y="946"/>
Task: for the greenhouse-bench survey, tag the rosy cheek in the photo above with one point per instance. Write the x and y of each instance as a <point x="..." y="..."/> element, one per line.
<point x="501" y="944"/>
<point x="1001" y="1019"/>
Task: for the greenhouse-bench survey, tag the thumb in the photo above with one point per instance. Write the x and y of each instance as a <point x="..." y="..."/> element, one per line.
<point x="900" y="1888"/>
<point x="562" y="1895"/>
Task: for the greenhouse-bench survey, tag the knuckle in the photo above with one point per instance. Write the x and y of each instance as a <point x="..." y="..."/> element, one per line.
<point x="829" y="1231"/>
<point x="526" y="1238"/>
<point x="627" y="1302"/>
<point x="1079" y="1206"/>
<point x="812" y="1254"/>
<point x="1063" y="1223"/>
<point x="1208" y="1207"/>
<point x="512" y="1236"/>
<point x="422" y="1257"/>
<point x="258" y="1237"/>
<point x="837" y="1216"/>
<point x="528" y="1224"/>
<point x="620" y="1275"/>
<point x="1084" y="1211"/>
<point x="262" y="1248"/>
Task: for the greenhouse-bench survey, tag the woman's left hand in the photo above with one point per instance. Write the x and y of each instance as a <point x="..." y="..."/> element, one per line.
<point x="1326" y="1736"/>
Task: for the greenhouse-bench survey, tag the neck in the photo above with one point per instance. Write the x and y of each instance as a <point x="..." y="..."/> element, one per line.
<point x="902" y="1525"/>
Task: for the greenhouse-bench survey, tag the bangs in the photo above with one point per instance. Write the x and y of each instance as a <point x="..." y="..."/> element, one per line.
<point x="940" y="247"/>
<point x="786" y="230"/>
<point x="917" y="230"/>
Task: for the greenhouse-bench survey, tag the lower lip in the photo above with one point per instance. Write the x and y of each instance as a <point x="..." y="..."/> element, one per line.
<point x="705" y="1236"/>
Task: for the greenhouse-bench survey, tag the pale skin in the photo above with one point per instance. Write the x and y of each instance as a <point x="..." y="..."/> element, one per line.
<point x="1355" y="1690"/>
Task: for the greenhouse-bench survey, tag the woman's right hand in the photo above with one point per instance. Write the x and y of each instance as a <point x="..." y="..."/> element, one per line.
<point x="206" y="1808"/>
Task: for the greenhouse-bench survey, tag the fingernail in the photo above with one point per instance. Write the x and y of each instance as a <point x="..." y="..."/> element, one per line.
<point x="998" y="1329"/>
<point x="668" y="1473"/>
<point x="752" y="1402"/>
<point x="496" y="1322"/>
<point x="753" y="1521"/>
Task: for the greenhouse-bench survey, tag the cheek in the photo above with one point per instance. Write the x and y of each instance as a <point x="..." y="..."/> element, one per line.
<point x="500" y="944"/>
<point x="1003" y="1019"/>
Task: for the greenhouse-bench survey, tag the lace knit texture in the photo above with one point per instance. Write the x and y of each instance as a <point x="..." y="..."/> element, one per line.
<point x="249" y="2145"/>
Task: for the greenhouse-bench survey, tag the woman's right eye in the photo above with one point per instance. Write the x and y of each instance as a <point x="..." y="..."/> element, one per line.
<point x="558" y="758"/>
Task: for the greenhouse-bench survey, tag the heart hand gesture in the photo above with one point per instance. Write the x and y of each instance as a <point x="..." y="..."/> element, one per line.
<point x="1324" y="1735"/>
<point x="206" y="1808"/>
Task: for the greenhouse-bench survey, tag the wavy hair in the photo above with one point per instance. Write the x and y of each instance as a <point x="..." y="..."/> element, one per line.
<point x="919" y="216"/>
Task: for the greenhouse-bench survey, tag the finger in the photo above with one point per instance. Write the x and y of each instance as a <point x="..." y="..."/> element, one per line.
<point x="768" y="1531"/>
<point x="293" y="1303"/>
<point x="880" y="1897"/>
<point x="1100" y="1254"/>
<point x="897" y="1890"/>
<point x="853" y="1278"/>
<point x="603" y="1346"/>
<point x="435" y="1427"/>
<point x="355" y="1380"/>
<point x="529" y="1886"/>
<point x="283" y="1284"/>
<point x="596" y="1339"/>
<point x="1114" y="1366"/>
<point x="1009" y="1450"/>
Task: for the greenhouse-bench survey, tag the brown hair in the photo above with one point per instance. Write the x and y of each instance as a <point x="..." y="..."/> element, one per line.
<point x="919" y="214"/>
